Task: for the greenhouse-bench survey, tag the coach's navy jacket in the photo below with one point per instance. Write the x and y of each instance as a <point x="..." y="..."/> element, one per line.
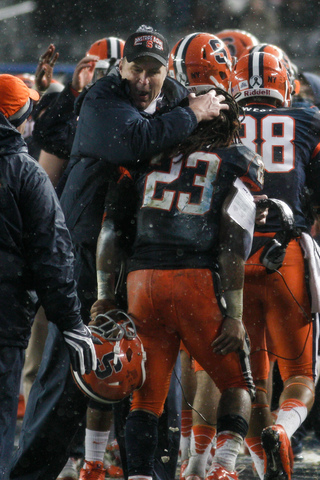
<point x="112" y="132"/>
<point x="111" y="128"/>
<point x="35" y="247"/>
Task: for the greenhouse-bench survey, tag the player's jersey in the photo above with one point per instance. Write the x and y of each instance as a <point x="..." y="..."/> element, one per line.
<point x="288" y="139"/>
<point x="179" y="205"/>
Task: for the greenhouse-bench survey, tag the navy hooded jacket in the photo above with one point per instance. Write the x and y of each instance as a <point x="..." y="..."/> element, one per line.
<point x="35" y="246"/>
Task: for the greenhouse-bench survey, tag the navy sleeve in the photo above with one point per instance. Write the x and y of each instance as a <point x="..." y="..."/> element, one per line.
<point x="112" y="129"/>
<point x="313" y="179"/>
<point x="48" y="247"/>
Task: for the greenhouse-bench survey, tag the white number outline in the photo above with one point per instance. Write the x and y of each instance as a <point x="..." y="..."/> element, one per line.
<point x="250" y="137"/>
<point x="205" y="182"/>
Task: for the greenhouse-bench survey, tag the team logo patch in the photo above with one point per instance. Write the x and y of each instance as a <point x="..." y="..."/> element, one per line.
<point x="256" y="81"/>
<point x="150" y="40"/>
<point x="243" y="85"/>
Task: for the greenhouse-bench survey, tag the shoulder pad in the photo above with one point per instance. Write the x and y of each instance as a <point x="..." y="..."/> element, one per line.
<point x="248" y="165"/>
<point x="174" y="92"/>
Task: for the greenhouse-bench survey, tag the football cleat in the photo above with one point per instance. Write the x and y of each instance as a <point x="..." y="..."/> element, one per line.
<point x="113" y="446"/>
<point x="114" y="471"/>
<point x="218" y="472"/>
<point x="183" y="467"/>
<point x="278" y="453"/>
<point x="71" y="470"/>
<point x="92" y="471"/>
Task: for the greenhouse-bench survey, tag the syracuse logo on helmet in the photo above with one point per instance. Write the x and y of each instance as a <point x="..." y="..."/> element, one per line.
<point x="120" y="359"/>
<point x="199" y="61"/>
<point x="237" y="40"/>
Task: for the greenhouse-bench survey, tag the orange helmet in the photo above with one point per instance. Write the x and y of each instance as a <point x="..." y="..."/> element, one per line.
<point x="27" y="78"/>
<point x="260" y="74"/>
<point x="121" y="360"/>
<point x="283" y="57"/>
<point x="237" y="40"/>
<point x="109" y="50"/>
<point x="199" y="61"/>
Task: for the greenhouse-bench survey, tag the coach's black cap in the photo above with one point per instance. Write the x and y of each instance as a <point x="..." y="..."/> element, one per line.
<point x="146" y="43"/>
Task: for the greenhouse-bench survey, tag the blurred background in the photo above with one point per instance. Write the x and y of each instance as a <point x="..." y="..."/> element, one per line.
<point x="28" y="27"/>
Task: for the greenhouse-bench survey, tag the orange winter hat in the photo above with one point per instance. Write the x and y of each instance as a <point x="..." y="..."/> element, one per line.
<point x="14" y="95"/>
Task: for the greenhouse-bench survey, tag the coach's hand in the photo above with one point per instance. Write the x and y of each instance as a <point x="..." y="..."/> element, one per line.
<point x="81" y="348"/>
<point x="207" y="106"/>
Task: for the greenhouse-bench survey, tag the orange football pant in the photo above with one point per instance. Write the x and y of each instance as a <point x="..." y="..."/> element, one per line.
<point x="278" y="306"/>
<point x="173" y="305"/>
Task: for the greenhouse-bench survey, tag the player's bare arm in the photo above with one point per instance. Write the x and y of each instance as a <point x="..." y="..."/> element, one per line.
<point x="231" y="269"/>
<point x="106" y="260"/>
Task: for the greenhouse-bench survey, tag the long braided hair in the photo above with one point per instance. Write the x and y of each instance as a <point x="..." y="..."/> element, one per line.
<point x="221" y="131"/>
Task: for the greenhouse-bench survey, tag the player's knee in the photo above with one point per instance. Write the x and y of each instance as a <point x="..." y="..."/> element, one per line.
<point x="233" y="423"/>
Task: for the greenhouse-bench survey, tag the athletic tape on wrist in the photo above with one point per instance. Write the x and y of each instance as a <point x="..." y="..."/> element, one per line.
<point x="105" y="285"/>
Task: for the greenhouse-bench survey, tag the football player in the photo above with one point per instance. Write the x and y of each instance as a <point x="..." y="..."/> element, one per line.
<point x="283" y="57"/>
<point x="170" y="286"/>
<point x="199" y="61"/>
<point x="109" y="50"/>
<point x="276" y="299"/>
<point x="237" y="41"/>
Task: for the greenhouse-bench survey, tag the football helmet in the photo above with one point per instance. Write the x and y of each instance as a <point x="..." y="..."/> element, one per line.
<point x="199" y="61"/>
<point x="27" y="78"/>
<point x="283" y="57"/>
<point x="260" y="74"/>
<point x="109" y="50"/>
<point x="121" y="359"/>
<point x="237" y="40"/>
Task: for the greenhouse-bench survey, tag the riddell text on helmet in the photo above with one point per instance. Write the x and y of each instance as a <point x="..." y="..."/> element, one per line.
<point x="251" y="93"/>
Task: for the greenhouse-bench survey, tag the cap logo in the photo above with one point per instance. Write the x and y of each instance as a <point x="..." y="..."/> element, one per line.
<point x="151" y="41"/>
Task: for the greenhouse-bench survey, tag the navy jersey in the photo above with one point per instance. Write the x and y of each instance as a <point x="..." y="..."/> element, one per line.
<point x="179" y="203"/>
<point x="288" y="139"/>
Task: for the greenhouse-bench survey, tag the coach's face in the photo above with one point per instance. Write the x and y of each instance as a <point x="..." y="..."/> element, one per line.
<point x="145" y="76"/>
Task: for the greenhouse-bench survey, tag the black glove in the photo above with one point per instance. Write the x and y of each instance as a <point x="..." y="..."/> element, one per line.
<point x="81" y="348"/>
